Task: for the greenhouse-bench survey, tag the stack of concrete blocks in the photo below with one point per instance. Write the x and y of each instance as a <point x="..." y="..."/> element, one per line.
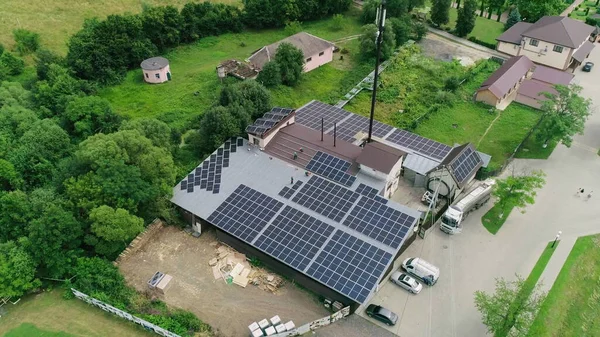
<point x="255" y="330"/>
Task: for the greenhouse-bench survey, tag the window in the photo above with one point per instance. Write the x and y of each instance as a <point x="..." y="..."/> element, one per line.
<point x="309" y="59"/>
<point x="157" y="75"/>
<point x="534" y="42"/>
<point x="321" y="53"/>
<point x="558" y="49"/>
<point x="147" y="75"/>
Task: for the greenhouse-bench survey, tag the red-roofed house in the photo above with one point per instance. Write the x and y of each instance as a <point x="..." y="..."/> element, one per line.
<point x="500" y="89"/>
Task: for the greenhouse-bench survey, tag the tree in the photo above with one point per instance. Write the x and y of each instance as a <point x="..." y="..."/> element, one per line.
<point x="15" y="214"/>
<point x="513" y="17"/>
<point x="270" y="75"/>
<point x="402" y="28"/>
<point x="43" y="59"/>
<point x="291" y="63"/>
<point x="27" y="41"/>
<point x="216" y="126"/>
<point x="496" y="5"/>
<point x="95" y="275"/>
<point x="9" y="177"/>
<point x="440" y="11"/>
<point x="518" y="190"/>
<point x="564" y="114"/>
<point x="251" y="95"/>
<point x="13" y="64"/>
<point x="114" y="227"/>
<point x="510" y="310"/>
<point x="533" y="10"/>
<point x="162" y="25"/>
<point x="158" y="132"/>
<point x="53" y="240"/>
<point x="17" y="271"/>
<point x="369" y="11"/>
<point x="271" y="13"/>
<point x="412" y="4"/>
<point x="88" y="115"/>
<point x="337" y="22"/>
<point x="419" y="30"/>
<point x="292" y="27"/>
<point x="367" y="41"/>
<point x="466" y="18"/>
<point x="484" y="4"/>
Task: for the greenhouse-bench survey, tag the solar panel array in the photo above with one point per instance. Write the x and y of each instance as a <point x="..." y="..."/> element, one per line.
<point x="208" y="174"/>
<point x="465" y="164"/>
<point x="311" y="114"/>
<point x="370" y="192"/>
<point x="356" y="123"/>
<point x="419" y="144"/>
<point x="287" y="192"/>
<point x="294" y="237"/>
<point x="350" y="265"/>
<point x="326" y="198"/>
<point x="269" y="119"/>
<point x="379" y="222"/>
<point x="245" y="213"/>
<point x="331" y="167"/>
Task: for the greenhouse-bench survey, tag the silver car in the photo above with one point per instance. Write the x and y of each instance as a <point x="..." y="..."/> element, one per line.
<point x="407" y="282"/>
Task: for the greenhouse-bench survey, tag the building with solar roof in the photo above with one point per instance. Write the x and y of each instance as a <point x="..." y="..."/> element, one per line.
<point x="309" y="201"/>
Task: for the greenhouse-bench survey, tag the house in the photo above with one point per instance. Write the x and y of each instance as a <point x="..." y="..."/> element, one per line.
<point x="317" y="51"/>
<point x="156" y="70"/>
<point x="543" y="79"/>
<point x="308" y="198"/>
<point x="555" y="41"/>
<point x="500" y="89"/>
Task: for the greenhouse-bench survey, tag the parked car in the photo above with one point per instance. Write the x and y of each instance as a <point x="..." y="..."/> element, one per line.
<point x="587" y="67"/>
<point x="405" y="281"/>
<point x="422" y="270"/>
<point x="381" y="314"/>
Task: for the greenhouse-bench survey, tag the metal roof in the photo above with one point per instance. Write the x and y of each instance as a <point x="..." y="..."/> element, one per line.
<point x="419" y="164"/>
<point x="583" y="51"/>
<point x="560" y="30"/>
<point x="509" y="74"/>
<point x="154" y="63"/>
<point x="379" y="156"/>
<point x="514" y="34"/>
<point x="551" y="75"/>
<point x="307" y="43"/>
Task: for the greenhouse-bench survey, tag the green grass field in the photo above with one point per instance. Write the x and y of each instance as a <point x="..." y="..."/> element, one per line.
<point x="49" y="315"/>
<point x="193" y="67"/>
<point x="485" y="29"/>
<point x="493" y="219"/>
<point x="57" y="20"/>
<point x="572" y="307"/>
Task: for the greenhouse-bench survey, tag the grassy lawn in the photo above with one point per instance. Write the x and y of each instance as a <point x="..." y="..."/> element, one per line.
<point x="533" y="149"/>
<point x="57" y="20"/>
<point x="579" y="14"/>
<point x="193" y="67"/>
<point x="48" y="314"/>
<point x="572" y="307"/>
<point x="411" y="85"/>
<point x="492" y="221"/>
<point x="485" y="29"/>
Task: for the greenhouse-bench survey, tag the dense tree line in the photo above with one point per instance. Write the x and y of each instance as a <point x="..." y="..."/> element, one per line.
<point x="103" y="50"/>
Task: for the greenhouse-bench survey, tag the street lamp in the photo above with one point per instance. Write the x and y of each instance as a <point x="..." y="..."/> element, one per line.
<point x="556" y="238"/>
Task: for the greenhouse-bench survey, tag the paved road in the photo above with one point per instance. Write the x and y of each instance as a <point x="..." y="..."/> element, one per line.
<point x="471" y="260"/>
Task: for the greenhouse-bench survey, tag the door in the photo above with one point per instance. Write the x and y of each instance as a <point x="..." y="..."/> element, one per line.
<point x="198" y="227"/>
<point x="169" y="75"/>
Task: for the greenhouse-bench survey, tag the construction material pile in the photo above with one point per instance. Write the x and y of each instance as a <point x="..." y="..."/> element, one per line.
<point x="233" y="267"/>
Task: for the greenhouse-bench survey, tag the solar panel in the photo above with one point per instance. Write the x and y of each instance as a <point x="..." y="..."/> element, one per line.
<point x="380" y="222"/>
<point x="326" y="198"/>
<point x="370" y="192"/>
<point x="348" y="129"/>
<point x="294" y="237"/>
<point x="350" y="266"/>
<point x="287" y="192"/>
<point x="311" y="114"/>
<point x="331" y="167"/>
<point x="419" y="144"/>
<point x="244" y="213"/>
<point x="465" y="164"/>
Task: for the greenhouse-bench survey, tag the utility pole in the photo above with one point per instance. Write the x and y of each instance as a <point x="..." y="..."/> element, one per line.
<point x="380" y="21"/>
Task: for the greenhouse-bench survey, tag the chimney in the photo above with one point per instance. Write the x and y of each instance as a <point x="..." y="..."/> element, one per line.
<point x="334" y="133"/>
<point x="321" y="129"/>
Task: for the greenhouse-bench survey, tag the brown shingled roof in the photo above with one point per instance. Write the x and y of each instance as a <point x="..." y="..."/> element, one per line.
<point x="551" y="75"/>
<point x="500" y="82"/>
<point x="307" y="43"/>
<point x="514" y="34"/>
<point x="559" y="30"/>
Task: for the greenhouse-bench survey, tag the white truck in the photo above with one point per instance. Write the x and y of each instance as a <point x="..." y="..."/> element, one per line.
<point x="460" y="209"/>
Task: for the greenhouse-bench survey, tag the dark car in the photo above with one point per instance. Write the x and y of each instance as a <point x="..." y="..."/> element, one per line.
<point x="381" y="314"/>
<point x="587" y="67"/>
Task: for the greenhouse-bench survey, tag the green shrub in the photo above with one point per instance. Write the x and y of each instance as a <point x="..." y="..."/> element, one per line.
<point x="337" y="23"/>
<point x="270" y="76"/>
<point x="13" y="64"/>
<point x="27" y="41"/>
<point x="293" y="27"/>
<point x="482" y="43"/>
<point x="1" y="49"/>
<point x="452" y="83"/>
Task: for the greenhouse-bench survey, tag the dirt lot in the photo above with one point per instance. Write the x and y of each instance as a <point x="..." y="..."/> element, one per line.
<point x="228" y="308"/>
<point x="442" y="49"/>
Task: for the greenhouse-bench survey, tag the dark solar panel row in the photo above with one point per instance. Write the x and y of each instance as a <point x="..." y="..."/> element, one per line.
<point x="331" y="167"/>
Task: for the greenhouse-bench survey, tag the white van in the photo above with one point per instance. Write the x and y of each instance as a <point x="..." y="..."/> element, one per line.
<point x="422" y="269"/>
